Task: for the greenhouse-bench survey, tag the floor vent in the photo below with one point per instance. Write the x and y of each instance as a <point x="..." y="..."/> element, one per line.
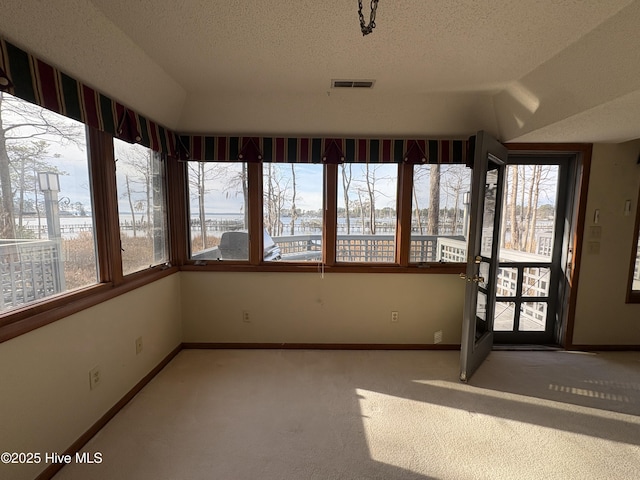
<point x="352" y="83"/>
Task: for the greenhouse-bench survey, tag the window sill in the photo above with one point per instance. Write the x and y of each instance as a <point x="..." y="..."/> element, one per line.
<point x="222" y="266"/>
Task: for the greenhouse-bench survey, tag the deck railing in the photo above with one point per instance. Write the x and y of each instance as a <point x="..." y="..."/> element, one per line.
<point x="28" y="271"/>
<point x="373" y="248"/>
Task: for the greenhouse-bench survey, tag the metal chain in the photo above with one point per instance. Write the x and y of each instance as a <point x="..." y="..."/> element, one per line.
<point x="367" y="29"/>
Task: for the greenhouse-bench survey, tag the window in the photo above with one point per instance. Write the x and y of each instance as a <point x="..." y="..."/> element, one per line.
<point x="61" y="241"/>
<point x="141" y="206"/>
<point x="439" y="213"/>
<point x="60" y="238"/>
<point x="366" y="215"/>
<point x="292" y="212"/>
<point x="218" y="210"/>
<point x="634" y="275"/>
<point x="47" y="244"/>
<point x="306" y="211"/>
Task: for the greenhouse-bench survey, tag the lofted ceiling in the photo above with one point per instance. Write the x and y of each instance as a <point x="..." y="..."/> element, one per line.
<point x="545" y="71"/>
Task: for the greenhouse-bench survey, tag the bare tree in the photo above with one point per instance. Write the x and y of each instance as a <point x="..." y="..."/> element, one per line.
<point x="128" y="195"/>
<point x="420" y="176"/>
<point x="276" y="189"/>
<point x="347" y="175"/>
<point x="514" y="228"/>
<point x="370" y="180"/>
<point x="529" y="234"/>
<point x="137" y="164"/>
<point x="362" y="208"/>
<point x="233" y="179"/>
<point x="433" y="219"/>
<point x="199" y="174"/>
<point x="503" y="223"/>
<point x="236" y="182"/>
<point x="294" y="214"/>
<point x="369" y="193"/>
<point x="456" y="179"/>
<point x="268" y="194"/>
<point x="19" y="121"/>
<point x="27" y="159"/>
<point x="541" y="180"/>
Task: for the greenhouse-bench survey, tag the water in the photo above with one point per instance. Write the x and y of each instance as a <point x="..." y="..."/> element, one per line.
<point x="72" y="226"/>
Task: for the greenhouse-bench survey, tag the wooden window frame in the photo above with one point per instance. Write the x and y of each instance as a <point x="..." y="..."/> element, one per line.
<point x="110" y="282"/>
<point x="330" y="183"/>
<point x="111" y="198"/>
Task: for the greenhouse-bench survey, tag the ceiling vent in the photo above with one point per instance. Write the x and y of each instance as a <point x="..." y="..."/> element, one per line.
<point x="352" y="83"/>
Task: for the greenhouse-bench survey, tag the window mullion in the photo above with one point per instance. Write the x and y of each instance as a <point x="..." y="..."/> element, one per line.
<point x="330" y="214"/>
<point x="256" y="240"/>
<point x="175" y="182"/>
<point x="105" y="198"/>
<point x="403" y="229"/>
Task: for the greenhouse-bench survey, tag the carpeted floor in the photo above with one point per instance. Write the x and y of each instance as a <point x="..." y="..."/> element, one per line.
<point x="303" y="414"/>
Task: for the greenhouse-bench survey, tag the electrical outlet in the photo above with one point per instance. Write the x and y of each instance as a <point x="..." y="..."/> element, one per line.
<point x="437" y="337"/>
<point x="94" y="377"/>
<point x="394" y="317"/>
<point x="138" y="345"/>
<point x="245" y="316"/>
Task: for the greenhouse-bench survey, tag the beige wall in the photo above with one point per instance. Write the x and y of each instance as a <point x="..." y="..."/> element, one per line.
<point x="602" y="317"/>
<point x="45" y="400"/>
<point x="304" y="307"/>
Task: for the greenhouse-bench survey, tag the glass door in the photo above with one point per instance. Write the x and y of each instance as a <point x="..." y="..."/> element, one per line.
<point x="531" y="237"/>
<point x="484" y="235"/>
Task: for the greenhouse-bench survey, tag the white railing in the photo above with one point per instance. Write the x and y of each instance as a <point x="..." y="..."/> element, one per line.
<point x="29" y="271"/>
<point x="360" y="248"/>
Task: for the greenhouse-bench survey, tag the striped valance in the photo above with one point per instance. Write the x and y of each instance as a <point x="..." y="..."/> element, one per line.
<point x="27" y="77"/>
<point x="322" y="150"/>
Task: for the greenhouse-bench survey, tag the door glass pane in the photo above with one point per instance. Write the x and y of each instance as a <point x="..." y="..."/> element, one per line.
<point x="535" y="282"/>
<point x="141" y="206"/>
<point x="481" y="306"/>
<point x="218" y="210"/>
<point x="483" y="273"/>
<point x="507" y="282"/>
<point x="481" y="315"/>
<point x="489" y="213"/>
<point x="292" y="212"/>
<point x="367" y="217"/>
<point x="635" y="285"/>
<point x="440" y="213"/>
<point x="529" y="211"/>
<point x="504" y="317"/>
<point x="533" y="316"/>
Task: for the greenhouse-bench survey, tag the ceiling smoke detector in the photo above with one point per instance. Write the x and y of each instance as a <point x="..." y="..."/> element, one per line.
<point x="352" y="83"/>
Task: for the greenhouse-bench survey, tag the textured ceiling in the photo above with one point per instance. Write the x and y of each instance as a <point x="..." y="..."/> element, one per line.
<point x="537" y="71"/>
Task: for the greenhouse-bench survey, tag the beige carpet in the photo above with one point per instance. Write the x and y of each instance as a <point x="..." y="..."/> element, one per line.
<point x="269" y="414"/>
